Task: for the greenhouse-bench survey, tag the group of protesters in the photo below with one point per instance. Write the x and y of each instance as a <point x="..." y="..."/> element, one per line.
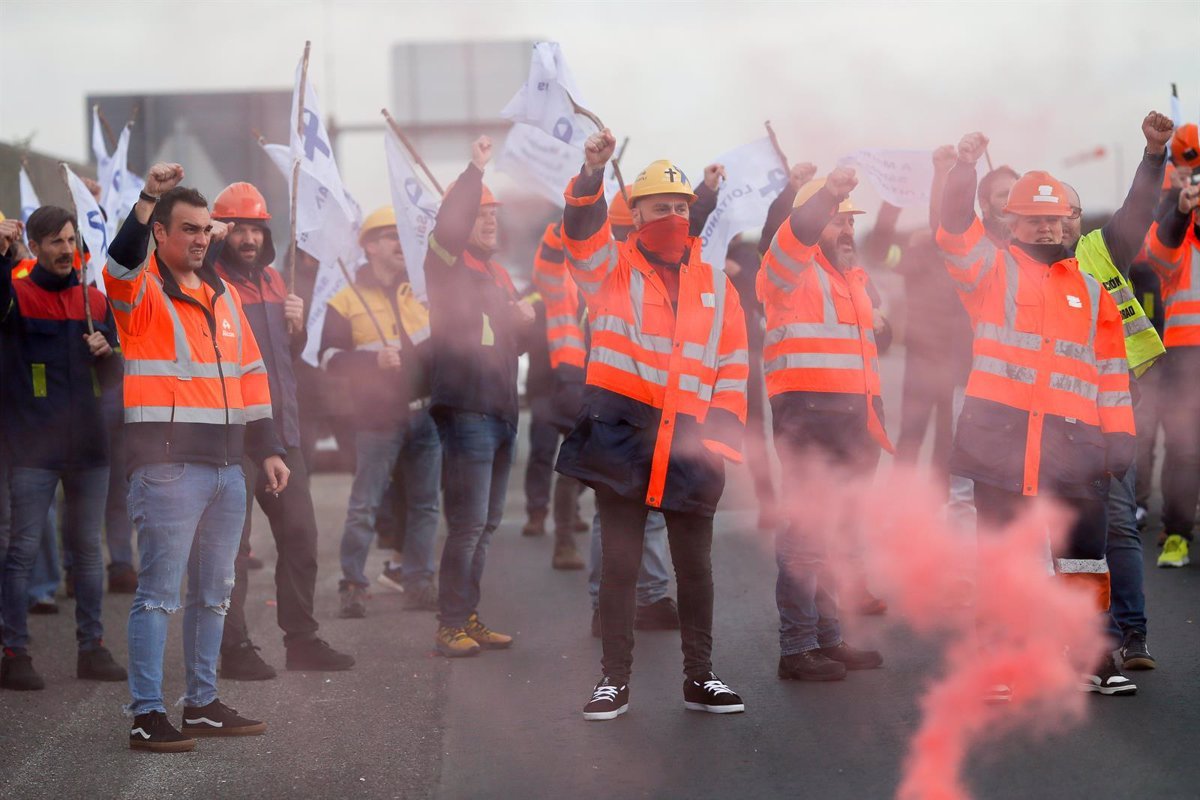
<point x="167" y="400"/>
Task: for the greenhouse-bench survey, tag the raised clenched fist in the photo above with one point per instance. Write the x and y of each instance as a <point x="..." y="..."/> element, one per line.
<point x="944" y="158"/>
<point x="971" y="147"/>
<point x="10" y="231"/>
<point x="163" y="177"/>
<point x="713" y="174"/>
<point x="1189" y="198"/>
<point x="801" y="174"/>
<point x="1157" y="129"/>
<point x="841" y="181"/>
<point x="481" y="152"/>
<point x="598" y="149"/>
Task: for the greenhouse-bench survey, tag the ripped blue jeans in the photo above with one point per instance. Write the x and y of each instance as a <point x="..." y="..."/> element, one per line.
<point x="187" y="516"/>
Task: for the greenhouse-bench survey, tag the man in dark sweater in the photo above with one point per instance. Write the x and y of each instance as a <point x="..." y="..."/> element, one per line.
<point x="477" y="325"/>
<point x="54" y="363"/>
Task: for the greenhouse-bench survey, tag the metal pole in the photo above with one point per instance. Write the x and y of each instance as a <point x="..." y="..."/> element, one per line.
<point x="396" y="129"/>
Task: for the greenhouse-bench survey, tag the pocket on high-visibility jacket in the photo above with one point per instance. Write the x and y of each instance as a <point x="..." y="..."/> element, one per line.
<point x="616" y="444"/>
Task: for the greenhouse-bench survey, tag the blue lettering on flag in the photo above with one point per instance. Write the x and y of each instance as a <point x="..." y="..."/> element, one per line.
<point x="412" y="188"/>
<point x="96" y="222"/>
<point x="312" y="136"/>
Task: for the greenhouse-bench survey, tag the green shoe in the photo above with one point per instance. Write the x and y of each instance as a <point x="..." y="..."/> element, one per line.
<point x="1174" y="552"/>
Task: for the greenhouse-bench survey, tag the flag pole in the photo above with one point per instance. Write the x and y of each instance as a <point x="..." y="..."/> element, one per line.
<point x="108" y="131"/>
<point x="87" y="307"/>
<point x="775" y="144"/>
<point x="291" y="262"/>
<point x="383" y="340"/>
<point x="396" y="129"/>
<point x="600" y="126"/>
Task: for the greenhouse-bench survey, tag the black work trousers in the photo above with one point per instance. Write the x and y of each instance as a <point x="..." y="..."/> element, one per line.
<point x="1181" y="424"/>
<point x="622" y="530"/>
<point x="1088" y="536"/>
<point x="294" y="526"/>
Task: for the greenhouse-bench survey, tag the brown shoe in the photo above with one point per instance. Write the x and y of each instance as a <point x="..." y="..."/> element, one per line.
<point x="485" y="636"/>
<point x="566" y="555"/>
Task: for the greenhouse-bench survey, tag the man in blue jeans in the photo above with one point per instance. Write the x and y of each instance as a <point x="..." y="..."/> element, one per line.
<point x="55" y="362"/>
<point x="197" y="399"/>
<point x="479" y="326"/>
<point x="389" y="384"/>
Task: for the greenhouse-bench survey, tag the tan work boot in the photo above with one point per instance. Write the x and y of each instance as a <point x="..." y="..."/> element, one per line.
<point x="455" y="643"/>
<point x="486" y="637"/>
<point x="566" y="555"/>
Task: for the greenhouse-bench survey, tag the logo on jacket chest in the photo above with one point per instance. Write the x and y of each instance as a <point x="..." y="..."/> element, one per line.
<point x="1074" y="302"/>
<point x="227" y="329"/>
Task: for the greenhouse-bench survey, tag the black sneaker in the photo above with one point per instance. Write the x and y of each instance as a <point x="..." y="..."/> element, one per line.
<point x="852" y="658"/>
<point x="218" y="719"/>
<point x="712" y="695"/>
<point x="17" y="673"/>
<point x="1107" y="679"/>
<point x="811" y="665"/>
<point x="596" y="633"/>
<point x="98" y="665"/>
<point x="354" y="601"/>
<point x="1134" y="653"/>
<point x="46" y="605"/>
<point x="317" y="656"/>
<point x="154" y="732"/>
<point x="421" y="597"/>
<point x="609" y="701"/>
<point x="242" y="663"/>
<point x="661" y="615"/>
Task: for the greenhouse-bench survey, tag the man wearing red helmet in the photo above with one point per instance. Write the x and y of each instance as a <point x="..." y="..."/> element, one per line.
<point x="1047" y="409"/>
<point x="276" y="317"/>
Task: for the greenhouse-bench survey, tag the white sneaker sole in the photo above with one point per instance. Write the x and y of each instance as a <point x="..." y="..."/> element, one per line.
<point x="384" y="580"/>
<point x="739" y="708"/>
<point x="1183" y="562"/>
<point x="599" y="716"/>
<point x="1128" y="688"/>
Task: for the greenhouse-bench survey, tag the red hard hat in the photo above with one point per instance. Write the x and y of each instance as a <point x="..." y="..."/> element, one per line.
<point x="1185" y="146"/>
<point x="1038" y="194"/>
<point x="486" y="199"/>
<point x="240" y="201"/>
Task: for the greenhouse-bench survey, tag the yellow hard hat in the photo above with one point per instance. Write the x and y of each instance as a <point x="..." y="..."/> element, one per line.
<point x="2" y="217"/>
<point x="661" y="177"/>
<point x="382" y="217"/>
<point x="812" y="187"/>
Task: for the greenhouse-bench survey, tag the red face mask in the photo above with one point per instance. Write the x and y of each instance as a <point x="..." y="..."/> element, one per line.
<point x="665" y="237"/>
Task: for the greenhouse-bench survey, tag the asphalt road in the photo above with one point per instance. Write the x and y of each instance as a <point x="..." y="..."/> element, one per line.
<point x="406" y="724"/>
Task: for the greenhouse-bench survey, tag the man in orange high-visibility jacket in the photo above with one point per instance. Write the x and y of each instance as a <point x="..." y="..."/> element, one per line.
<point x="821" y="364"/>
<point x="1173" y="249"/>
<point x="196" y="399"/>
<point x="1047" y="409"/>
<point x="664" y="405"/>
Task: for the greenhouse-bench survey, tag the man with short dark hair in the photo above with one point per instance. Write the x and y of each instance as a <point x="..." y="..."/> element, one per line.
<point x="54" y="363"/>
<point x="993" y="196"/>
<point x="196" y="399"/>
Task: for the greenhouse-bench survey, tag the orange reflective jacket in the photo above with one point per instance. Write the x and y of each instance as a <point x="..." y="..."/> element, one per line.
<point x="820" y="326"/>
<point x="1178" y="268"/>
<point x="1049" y="344"/>
<point x="564" y="334"/>
<point x="189" y="368"/>
<point x="688" y="367"/>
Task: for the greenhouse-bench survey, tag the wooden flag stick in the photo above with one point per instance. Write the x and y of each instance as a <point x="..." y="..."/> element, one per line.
<point x="383" y="340"/>
<point x="396" y="129"/>
<point x="600" y="126"/>
<point x="291" y="261"/>
<point x="108" y="131"/>
<point x="621" y="151"/>
<point x="87" y="307"/>
<point x="775" y="144"/>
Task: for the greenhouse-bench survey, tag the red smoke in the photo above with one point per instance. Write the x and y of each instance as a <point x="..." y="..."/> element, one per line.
<point x="987" y="598"/>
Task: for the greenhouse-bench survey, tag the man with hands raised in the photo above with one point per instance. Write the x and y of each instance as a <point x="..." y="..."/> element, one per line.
<point x="663" y="407"/>
<point x="196" y="400"/>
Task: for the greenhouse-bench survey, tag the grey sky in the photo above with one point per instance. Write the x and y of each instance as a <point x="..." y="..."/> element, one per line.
<point x="684" y="80"/>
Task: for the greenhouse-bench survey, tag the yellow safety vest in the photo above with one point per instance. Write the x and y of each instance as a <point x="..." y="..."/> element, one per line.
<point x="1142" y="343"/>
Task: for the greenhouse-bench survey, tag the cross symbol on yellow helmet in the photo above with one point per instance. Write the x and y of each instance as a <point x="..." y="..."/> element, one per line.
<point x="671" y="172"/>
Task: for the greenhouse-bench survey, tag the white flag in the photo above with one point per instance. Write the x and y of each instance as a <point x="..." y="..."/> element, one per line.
<point x="29" y="198"/>
<point x="754" y="177"/>
<point x="416" y="210"/>
<point x="903" y="178"/>
<point x="119" y="188"/>
<point x="91" y="226"/>
<point x="1176" y="109"/>
<point x="543" y="164"/>
<point x="545" y="99"/>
